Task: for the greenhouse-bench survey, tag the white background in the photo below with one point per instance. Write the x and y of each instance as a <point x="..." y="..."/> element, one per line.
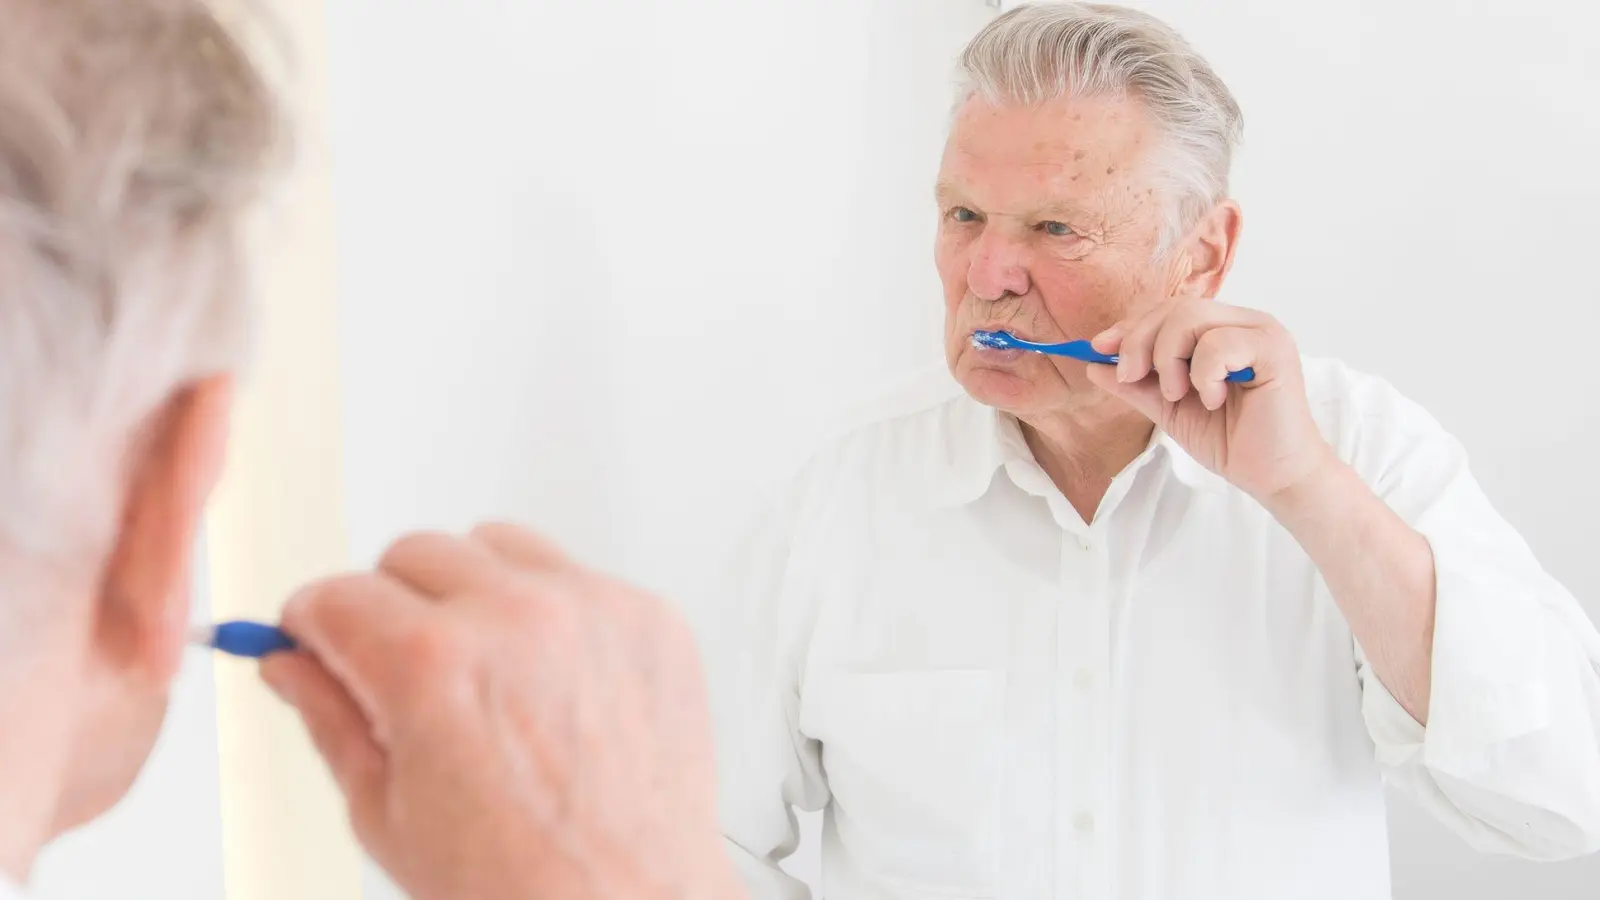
<point x="607" y="267"/>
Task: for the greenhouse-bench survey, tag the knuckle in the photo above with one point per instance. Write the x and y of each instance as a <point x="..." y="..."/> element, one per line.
<point x="439" y="647"/>
<point x="1143" y="326"/>
<point x="1266" y="319"/>
<point x="543" y="605"/>
<point x="1269" y="323"/>
<point x="410" y="546"/>
<point x="1172" y="365"/>
<point x="317" y="600"/>
<point x="493" y="529"/>
<point x="564" y="605"/>
<point x="1191" y="323"/>
<point x="560" y="619"/>
<point x="1213" y="341"/>
<point x="1191" y="309"/>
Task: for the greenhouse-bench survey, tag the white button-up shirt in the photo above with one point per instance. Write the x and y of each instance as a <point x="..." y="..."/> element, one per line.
<point x="991" y="698"/>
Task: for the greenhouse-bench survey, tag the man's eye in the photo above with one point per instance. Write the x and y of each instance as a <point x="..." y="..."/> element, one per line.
<point x="962" y="214"/>
<point x="1058" y="229"/>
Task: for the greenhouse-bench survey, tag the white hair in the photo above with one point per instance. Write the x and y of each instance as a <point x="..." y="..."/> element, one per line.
<point x="134" y="136"/>
<point x="1046" y="51"/>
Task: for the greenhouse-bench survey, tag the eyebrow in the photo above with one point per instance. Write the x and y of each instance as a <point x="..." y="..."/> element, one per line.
<point x="947" y="193"/>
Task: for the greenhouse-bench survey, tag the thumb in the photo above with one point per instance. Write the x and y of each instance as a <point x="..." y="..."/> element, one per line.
<point x="1143" y="395"/>
<point x="338" y="728"/>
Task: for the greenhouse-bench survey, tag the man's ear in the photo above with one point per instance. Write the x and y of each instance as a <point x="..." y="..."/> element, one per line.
<point x="1209" y="250"/>
<point x="143" y="612"/>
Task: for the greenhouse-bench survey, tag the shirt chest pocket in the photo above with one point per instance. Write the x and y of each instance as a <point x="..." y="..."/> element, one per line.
<point x="914" y="763"/>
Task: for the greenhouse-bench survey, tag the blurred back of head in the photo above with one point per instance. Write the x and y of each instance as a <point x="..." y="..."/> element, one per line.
<point x="134" y="136"/>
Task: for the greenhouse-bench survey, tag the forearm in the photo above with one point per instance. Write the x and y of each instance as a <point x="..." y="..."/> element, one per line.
<point x="1379" y="570"/>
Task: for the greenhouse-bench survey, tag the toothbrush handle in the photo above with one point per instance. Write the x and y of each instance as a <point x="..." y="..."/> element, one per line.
<point x="251" y="640"/>
<point x="1243" y="376"/>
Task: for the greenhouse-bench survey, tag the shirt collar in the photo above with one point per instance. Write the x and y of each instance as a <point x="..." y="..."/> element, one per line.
<point x="979" y="440"/>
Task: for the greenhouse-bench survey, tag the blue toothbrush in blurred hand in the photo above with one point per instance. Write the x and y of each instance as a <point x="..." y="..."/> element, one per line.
<point x="1083" y="350"/>
<point x="251" y="640"/>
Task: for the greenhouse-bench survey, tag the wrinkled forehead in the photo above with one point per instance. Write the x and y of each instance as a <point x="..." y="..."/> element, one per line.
<point x="1089" y="152"/>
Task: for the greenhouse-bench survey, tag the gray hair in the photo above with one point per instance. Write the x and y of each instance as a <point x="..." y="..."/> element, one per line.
<point x="1041" y="52"/>
<point x="134" y="137"/>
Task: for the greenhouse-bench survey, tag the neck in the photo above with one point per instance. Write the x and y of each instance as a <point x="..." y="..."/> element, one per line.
<point x="1084" y="447"/>
<point x="29" y="775"/>
<point x="37" y="687"/>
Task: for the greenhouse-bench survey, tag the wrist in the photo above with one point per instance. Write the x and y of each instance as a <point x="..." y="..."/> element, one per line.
<point x="1321" y="484"/>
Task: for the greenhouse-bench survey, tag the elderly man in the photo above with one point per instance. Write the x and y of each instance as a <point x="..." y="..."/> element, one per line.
<point x="1135" y="631"/>
<point x="453" y="690"/>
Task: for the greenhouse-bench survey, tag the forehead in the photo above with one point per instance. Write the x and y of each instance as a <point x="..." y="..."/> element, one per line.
<point x="1081" y="150"/>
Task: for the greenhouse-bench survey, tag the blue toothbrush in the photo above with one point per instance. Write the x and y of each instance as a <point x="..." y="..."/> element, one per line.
<point x="251" y="640"/>
<point x="1003" y="340"/>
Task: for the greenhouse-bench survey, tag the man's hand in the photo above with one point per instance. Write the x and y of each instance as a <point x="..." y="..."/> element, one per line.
<point x="507" y="724"/>
<point x="1174" y="361"/>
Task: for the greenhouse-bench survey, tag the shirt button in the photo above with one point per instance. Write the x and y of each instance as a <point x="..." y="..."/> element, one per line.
<point x="1084" y="679"/>
<point x="1083" y="823"/>
<point x="1084" y="544"/>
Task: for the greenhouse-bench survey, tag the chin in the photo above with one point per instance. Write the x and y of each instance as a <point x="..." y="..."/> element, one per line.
<point x="1001" y="387"/>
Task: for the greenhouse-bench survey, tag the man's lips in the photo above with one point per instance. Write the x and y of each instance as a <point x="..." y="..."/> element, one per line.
<point x="990" y="354"/>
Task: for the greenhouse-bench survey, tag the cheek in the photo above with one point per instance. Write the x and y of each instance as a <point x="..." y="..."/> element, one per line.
<point x="950" y="259"/>
<point x="1086" y="300"/>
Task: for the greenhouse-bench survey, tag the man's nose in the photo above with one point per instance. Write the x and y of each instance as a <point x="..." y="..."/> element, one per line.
<point x="998" y="269"/>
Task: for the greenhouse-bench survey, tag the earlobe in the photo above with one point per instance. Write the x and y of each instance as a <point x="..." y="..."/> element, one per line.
<point x="143" y="607"/>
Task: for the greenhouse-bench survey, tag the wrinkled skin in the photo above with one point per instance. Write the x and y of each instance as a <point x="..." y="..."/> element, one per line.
<point x="505" y="723"/>
<point x="1051" y="222"/>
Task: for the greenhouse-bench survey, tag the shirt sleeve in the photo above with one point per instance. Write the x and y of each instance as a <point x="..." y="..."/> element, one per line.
<point x="1510" y="756"/>
<point x="767" y="769"/>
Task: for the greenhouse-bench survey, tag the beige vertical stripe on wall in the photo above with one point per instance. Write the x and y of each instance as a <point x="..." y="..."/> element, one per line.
<point x="277" y="518"/>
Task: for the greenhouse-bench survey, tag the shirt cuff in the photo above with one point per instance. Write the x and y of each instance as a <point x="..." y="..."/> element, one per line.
<point x="1488" y="685"/>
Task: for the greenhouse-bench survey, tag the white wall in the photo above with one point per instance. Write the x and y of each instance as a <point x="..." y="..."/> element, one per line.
<point x="596" y="258"/>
